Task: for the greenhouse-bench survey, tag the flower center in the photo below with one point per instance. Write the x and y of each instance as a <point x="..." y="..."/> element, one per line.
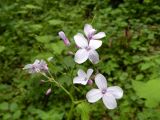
<point x="88" y="48"/>
<point x="90" y="36"/>
<point x="104" y="91"/>
<point x="85" y="79"/>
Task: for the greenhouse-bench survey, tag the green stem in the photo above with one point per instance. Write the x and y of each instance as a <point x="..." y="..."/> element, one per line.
<point x="70" y="112"/>
<point x="65" y="90"/>
<point x="59" y="85"/>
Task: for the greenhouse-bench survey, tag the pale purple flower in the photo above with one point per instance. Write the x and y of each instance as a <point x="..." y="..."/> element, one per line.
<point x="43" y="66"/>
<point x="83" y="77"/>
<point x="90" y="33"/>
<point x="64" y="38"/>
<point x="87" y="49"/>
<point x="32" y="68"/>
<point x="37" y="66"/>
<point x="108" y="94"/>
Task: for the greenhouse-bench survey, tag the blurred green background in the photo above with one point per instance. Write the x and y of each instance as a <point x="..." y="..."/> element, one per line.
<point x="130" y="57"/>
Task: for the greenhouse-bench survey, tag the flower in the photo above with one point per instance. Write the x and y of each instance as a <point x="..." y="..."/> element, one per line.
<point x="37" y="66"/>
<point x="64" y="38"/>
<point x="32" y="68"/>
<point x="90" y="33"/>
<point x="82" y="77"/>
<point x="87" y="49"/>
<point x="108" y="95"/>
<point x="42" y="66"/>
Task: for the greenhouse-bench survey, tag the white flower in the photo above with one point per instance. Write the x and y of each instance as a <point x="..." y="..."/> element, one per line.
<point x="108" y="94"/>
<point x="82" y="77"/>
<point x="90" y="33"/>
<point x="87" y="49"/>
<point x="37" y="66"/>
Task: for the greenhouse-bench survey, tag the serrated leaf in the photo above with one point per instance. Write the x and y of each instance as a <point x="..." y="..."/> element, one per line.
<point x="149" y="91"/>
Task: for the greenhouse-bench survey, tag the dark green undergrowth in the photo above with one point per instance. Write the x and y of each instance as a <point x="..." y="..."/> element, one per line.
<point x="129" y="57"/>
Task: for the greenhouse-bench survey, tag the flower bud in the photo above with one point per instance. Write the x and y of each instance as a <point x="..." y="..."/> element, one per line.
<point x="70" y="53"/>
<point x="42" y="82"/>
<point x="90" y="82"/>
<point x="64" y="38"/>
<point x="48" y="92"/>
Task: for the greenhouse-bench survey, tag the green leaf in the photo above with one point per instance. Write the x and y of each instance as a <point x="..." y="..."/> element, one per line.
<point x="83" y="109"/>
<point x="4" y="106"/>
<point x="57" y="47"/>
<point x="7" y="116"/>
<point x="36" y="27"/>
<point x="149" y="91"/>
<point x="2" y="48"/>
<point x="13" y="107"/>
<point x="55" y="22"/>
<point x="30" y="6"/>
<point x="44" y="39"/>
<point x="17" y="114"/>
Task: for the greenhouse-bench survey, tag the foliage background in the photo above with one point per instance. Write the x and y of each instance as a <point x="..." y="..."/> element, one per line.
<point x="130" y="57"/>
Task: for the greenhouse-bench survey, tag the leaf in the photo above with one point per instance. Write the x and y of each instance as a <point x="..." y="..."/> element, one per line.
<point x="2" y="48"/>
<point x="57" y="47"/>
<point x="4" y="106"/>
<point x="36" y="27"/>
<point x="17" y="114"/>
<point x="44" y="39"/>
<point x="83" y="109"/>
<point x="30" y="6"/>
<point x="149" y="91"/>
<point x="13" y="107"/>
<point x="146" y="65"/>
<point x="55" y="22"/>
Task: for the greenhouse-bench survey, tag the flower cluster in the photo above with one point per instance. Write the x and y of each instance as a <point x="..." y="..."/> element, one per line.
<point x="87" y="45"/>
<point x="37" y="66"/>
<point x="87" y="50"/>
<point x="108" y="95"/>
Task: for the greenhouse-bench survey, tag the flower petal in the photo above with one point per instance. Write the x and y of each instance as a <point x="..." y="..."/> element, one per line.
<point x="93" y="56"/>
<point x="109" y="101"/>
<point x="80" y="40"/>
<point x="116" y="91"/>
<point x="36" y="62"/>
<point x="88" y="30"/>
<point x="89" y="73"/>
<point x="101" y="81"/>
<point x="94" y="95"/>
<point x="81" y="56"/>
<point x="28" y="66"/>
<point x="94" y="44"/>
<point x="99" y="35"/>
<point x="81" y="73"/>
<point x="80" y="80"/>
